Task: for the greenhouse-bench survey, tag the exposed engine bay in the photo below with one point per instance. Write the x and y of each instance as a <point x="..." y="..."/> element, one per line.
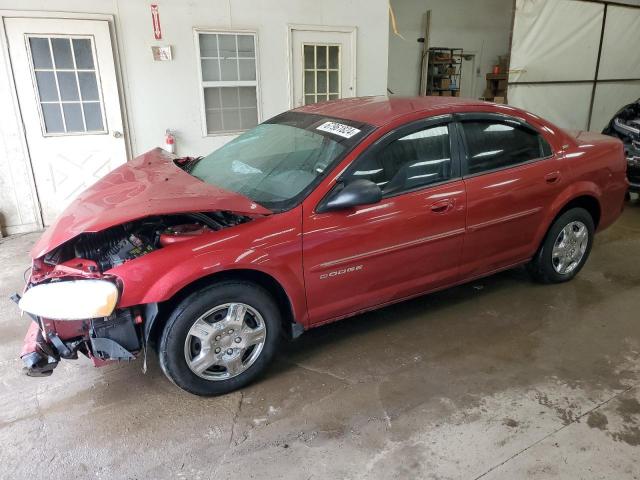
<point x="626" y="126"/>
<point x="120" y="335"/>
<point x="122" y="243"/>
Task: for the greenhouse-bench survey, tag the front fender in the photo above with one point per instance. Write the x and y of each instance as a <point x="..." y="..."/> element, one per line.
<point x="269" y="248"/>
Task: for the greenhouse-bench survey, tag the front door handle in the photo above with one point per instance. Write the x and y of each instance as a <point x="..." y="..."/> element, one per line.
<point x="442" y="206"/>
<point x="553" y="177"/>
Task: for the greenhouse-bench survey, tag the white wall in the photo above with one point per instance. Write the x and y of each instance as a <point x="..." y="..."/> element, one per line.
<point x="161" y="95"/>
<point x="479" y="26"/>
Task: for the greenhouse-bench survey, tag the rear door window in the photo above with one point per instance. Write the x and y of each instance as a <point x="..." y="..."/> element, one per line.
<point x="493" y="145"/>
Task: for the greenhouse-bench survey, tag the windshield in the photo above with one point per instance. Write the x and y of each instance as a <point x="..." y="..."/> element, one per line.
<point x="277" y="163"/>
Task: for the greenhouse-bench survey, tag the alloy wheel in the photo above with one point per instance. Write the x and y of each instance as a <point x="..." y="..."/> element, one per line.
<point x="225" y="341"/>
<point x="569" y="247"/>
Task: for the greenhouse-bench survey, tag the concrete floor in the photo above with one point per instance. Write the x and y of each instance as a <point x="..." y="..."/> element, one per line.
<point x="498" y="379"/>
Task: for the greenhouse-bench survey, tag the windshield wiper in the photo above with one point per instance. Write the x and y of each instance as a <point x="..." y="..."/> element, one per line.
<point x="187" y="163"/>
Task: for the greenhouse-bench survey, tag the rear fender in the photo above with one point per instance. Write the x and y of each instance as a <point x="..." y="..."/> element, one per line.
<point x="573" y="191"/>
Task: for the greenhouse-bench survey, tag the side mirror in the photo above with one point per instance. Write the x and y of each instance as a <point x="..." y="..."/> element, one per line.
<point x="358" y="192"/>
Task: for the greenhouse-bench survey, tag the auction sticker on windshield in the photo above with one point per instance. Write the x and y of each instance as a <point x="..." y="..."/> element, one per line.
<point x="338" y="129"/>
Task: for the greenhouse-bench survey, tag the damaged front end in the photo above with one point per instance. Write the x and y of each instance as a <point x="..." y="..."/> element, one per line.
<point x="626" y="126"/>
<point x="72" y="296"/>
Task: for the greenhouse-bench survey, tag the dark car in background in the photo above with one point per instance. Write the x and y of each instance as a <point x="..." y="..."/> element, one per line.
<point x="626" y="126"/>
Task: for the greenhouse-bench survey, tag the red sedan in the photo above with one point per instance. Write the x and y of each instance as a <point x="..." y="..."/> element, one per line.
<point x="315" y="215"/>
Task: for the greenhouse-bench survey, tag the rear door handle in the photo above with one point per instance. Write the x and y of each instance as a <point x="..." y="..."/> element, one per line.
<point x="442" y="206"/>
<point x="552" y="177"/>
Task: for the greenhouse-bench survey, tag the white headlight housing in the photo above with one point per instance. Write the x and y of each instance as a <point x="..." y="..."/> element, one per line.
<point x="71" y="300"/>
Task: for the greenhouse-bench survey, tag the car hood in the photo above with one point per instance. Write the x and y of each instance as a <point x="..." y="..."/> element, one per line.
<point x="151" y="184"/>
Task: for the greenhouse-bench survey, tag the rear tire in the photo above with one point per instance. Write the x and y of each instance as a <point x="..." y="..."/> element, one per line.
<point x="565" y="248"/>
<point x="220" y="338"/>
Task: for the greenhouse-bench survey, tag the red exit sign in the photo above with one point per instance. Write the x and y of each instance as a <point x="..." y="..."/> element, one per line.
<point x="155" y="22"/>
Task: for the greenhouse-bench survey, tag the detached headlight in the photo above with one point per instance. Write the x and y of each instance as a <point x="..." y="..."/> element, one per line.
<point x="71" y="300"/>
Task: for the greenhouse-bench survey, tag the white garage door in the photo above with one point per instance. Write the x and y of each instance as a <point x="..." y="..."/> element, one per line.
<point x="66" y="83"/>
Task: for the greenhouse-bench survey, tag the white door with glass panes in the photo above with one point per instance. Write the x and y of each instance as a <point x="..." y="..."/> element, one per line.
<point x="65" y="79"/>
<point x="323" y="65"/>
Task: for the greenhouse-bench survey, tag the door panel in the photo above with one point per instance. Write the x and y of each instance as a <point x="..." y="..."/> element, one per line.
<point x="370" y="255"/>
<point x="511" y="178"/>
<point x="322" y="66"/>
<point x="67" y="89"/>
<point x="504" y="211"/>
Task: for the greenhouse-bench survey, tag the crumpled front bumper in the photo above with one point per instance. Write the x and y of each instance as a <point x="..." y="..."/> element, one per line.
<point x="38" y="356"/>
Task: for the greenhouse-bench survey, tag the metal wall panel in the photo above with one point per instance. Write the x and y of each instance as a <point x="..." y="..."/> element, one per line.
<point x="621" y="44"/>
<point x="574" y="62"/>
<point x="555" y="40"/>
<point x="566" y="105"/>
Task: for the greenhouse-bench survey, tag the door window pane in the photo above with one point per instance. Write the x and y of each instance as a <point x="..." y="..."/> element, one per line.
<point x="52" y="117"/>
<point x="334" y="82"/>
<point x="82" y="52"/>
<point x="334" y="56"/>
<point x="309" y="57"/>
<point x="62" y="52"/>
<point x="413" y="161"/>
<point x="309" y="81"/>
<point x="88" y="86"/>
<point x="321" y="86"/>
<point x="229" y="81"/>
<point x="73" y="117"/>
<point x="67" y="88"/>
<point x="40" y="53"/>
<point x="92" y="116"/>
<point x="321" y="73"/>
<point x="47" y="89"/>
<point x="492" y="144"/>
<point x="321" y="57"/>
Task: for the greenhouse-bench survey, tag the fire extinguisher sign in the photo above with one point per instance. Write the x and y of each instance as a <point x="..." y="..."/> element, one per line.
<point x="155" y="21"/>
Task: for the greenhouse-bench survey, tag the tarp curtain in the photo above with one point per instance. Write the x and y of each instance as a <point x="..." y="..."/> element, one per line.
<point x="558" y="41"/>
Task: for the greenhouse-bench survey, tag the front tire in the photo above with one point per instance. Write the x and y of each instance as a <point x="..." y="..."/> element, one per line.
<point x="565" y="248"/>
<point x="220" y="338"/>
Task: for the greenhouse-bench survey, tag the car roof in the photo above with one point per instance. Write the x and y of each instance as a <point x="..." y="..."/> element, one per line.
<point x="381" y="110"/>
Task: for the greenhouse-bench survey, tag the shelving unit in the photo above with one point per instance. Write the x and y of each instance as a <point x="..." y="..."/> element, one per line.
<point x="444" y="71"/>
<point x="496" y="90"/>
